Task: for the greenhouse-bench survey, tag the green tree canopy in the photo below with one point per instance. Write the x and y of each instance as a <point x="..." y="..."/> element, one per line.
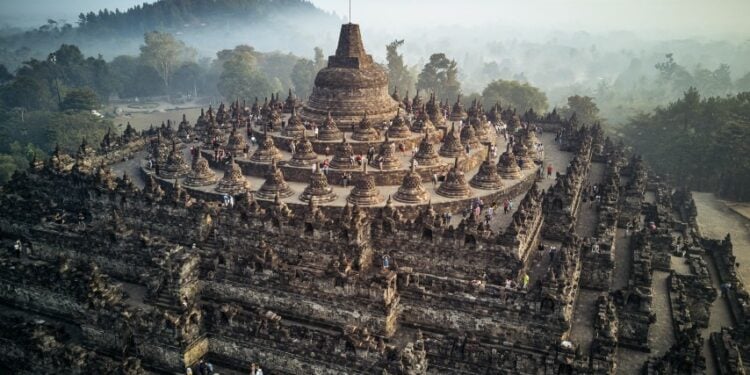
<point x="520" y="96"/>
<point x="241" y="78"/>
<point x="584" y="107"/>
<point x="440" y="76"/>
<point x="80" y="100"/>
<point x="399" y="75"/>
<point x="164" y="53"/>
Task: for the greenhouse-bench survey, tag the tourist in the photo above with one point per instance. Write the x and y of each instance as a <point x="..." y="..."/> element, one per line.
<point x="402" y="148"/>
<point x="253" y="140"/>
<point x="18" y="248"/>
<point x="434" y="179"/>
<point x="506" y="206"/>
<point x="627" y="229"/>
<point x="188" y="371"/>
<point x="315" y="130"/>
<point x="508" y="283"/>
<point x="292" y="146"/>
<point x="386" y="262"/>
<point x="202" y="368"/>
<point x="549" y="170"/>
<point x="595" y="248"/>
<point x="325" y="166"/>
<point x="552" y="252"/>
<point x="328" y="150"/>
<point x="345" y="179"/>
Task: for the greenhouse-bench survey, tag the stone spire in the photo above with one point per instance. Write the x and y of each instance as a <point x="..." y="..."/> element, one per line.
<point x="294" y="126"/>
<point x="457" y="112"/>
<point x="364" y="131"/>
<point x="201" y="175"/>
<point x="275" y="185"/>
<point x="411" y="189"/>
<point x="273" y="122"/>
<point x="507" y="166"/>
<point x="469" y="136"/>
<point x="481" y="128"/>
<point x="487" y="177"/>
<point x="494" y="114"/>
<point x="435" y="112"/>
<point x="236" y="143"/>
<point x="290" y="103"/>
<point x="175" y="166"/>
<point x="423" y="123"/>
<point x="318" y="189"/>
<point x="342" y="157"/>
<point x="304" y="155"/>
<point x="329" y="131"/>
<point x="522" y="154"/>
<point x="387" y="156"/>
<point x="364" y="192"/>
<point x="266" y="151"/>
<point x="452" y="147"/>
<point x="398" y="128"/>
<point x="530" y="140"/>
<point x="455" y="185"/>
<point x="234" y="181"/>
<point x="426" y="154"/>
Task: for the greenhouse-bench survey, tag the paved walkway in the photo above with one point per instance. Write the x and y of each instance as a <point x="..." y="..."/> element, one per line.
<point x="582" y="330"/>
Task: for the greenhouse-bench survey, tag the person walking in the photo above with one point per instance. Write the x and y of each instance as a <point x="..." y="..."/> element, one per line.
<point x="526" y="279"/>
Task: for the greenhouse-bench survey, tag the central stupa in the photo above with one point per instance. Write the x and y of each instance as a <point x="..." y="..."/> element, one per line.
<point x="350" y="86"/>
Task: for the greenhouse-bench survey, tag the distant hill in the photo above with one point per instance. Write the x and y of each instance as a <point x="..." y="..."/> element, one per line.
<point x="207" y="25"/>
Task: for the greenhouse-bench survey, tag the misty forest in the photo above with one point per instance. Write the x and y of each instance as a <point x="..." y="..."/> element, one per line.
<point x="684" y="94"/>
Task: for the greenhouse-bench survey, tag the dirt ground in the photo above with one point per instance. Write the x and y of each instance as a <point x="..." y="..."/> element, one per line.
<point x="142" y="120"/>
<point x="716" y="219"/>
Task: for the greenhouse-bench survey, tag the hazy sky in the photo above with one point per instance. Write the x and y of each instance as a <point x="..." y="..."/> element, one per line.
<point x="668" y="18"/>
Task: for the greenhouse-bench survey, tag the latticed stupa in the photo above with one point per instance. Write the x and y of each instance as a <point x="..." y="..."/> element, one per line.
<point x="411" y="189"/>
<point x="469" y="136"/>
<point x="525" y="161"/>
<point x="294" y="126"/>
<point x="455" y="185"/>
<point x="236" y="143"/>
<point x="233" y="181"/>
<point x="275" y="184"/>
<point x="329" y="131"/>
<point x="364" y="131"/>
<point x="318" y="188"/>
<point x="267" y="151"/>
<point x="350" y="85"/>
<point x="487" y="178"/>
<point x="423" y="123"/>
<point x="457" y="112"/>
<point x="507" y="166"/>
<point x="304" y="155"/>
<point x="364" y="193"/>
<point x="399" y="128"/>
<point x="386" y="158"/>
<point x="175" y="165"/>
<point x="452" y="147"/>
<point x="343" y="157"/>
<point x="201" y="175"/>
<point x="426" y="154"/>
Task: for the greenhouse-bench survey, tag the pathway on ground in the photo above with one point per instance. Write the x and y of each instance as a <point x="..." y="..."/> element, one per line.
<point x="582" y="330"/>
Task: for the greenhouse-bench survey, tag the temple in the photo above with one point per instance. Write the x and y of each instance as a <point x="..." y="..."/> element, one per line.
<point x="351" y="240"/>
<point x="350" y="86"/>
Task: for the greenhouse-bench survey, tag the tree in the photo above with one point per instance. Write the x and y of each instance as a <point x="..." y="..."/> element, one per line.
<point x="80" y="100"/>
<point x="29" y="93"/>
<point x="743" y="84"/>
<point x="241" y="78"/>
<point x="440" y="76"/>
<point x="399" y="75"/>
<point x="520" y="96"/>
<point x="584" y="107"/>
<point x="303" y="77"/>
<point x="5" y="75"/>
<point x="163" y="52"/>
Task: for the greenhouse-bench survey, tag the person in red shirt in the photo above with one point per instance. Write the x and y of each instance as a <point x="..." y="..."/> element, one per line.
<point x="549" y="170"/>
